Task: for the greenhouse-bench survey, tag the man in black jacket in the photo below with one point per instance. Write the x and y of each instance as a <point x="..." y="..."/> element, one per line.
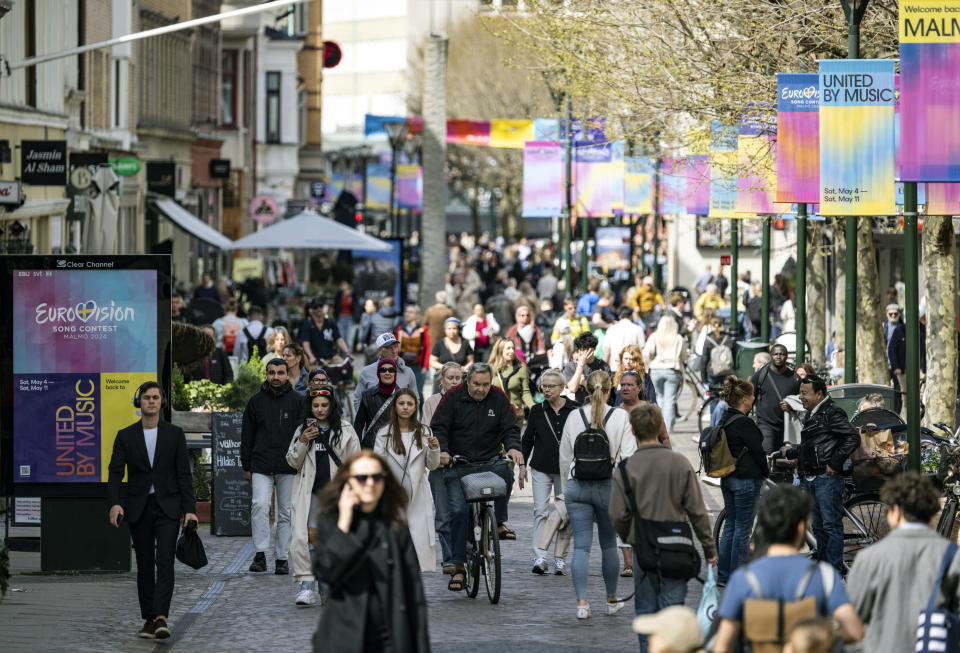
<point x="474" y="421"/>
<point x="216" y="366"/>
<point x="159" y="490"/>
<point x="826" y="441"/>
<point x="269" y="421"/>
<point x="771" y="383"/>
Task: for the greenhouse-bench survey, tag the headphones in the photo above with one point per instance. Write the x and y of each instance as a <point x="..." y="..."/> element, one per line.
<point x="140" y="391"/>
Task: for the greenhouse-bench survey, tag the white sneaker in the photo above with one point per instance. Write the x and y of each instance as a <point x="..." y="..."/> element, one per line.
<point x="559" y="567"/>
<point x="615" y="607"/>
<point x="539" y="566"/>
<point x="583" y="611"/>
<point x="710" y="480"/>
<point x="307" y="597"/>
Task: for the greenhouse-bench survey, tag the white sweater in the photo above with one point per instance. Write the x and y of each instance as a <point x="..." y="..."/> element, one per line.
<point x="622" y="442"/>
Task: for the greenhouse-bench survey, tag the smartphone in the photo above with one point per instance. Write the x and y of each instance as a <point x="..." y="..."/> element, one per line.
<point x="311" y="421"/>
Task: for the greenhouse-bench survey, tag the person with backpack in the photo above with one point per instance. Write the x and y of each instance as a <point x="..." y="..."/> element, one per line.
<point x="228" y="326"/>
<point x="782" y="586"/>
<point x="910" y="571"/>
<point x="595" y="438"/>
<point x="655" y="493"/>
<point x="772" y="383"/>
<point x="742" y="486"/>
<point x="254" y="334"/>
<point x="717" y="362"/>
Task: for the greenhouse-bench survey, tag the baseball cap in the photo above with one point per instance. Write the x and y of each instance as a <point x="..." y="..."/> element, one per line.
<point x="385" y="340"/>
<point x="676" y="628"/>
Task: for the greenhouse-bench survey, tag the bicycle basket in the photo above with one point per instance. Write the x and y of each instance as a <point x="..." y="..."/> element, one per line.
<point x="483" y="486"/>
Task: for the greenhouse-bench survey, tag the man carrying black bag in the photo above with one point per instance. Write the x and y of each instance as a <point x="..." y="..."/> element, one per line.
<point x="662" y="491"/>
<point x="159" y="490"/>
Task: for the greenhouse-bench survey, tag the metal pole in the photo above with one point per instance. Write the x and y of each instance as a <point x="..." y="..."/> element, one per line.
<point x="765" y="280"/>
<point x="393" y="189"/>
<point x="734" y="265"/>
<point x="568" y="198"/>
<point x="912" y="318"/>
<point x="801" y="307"/>
<point x="657" y="272"/>
<point x="584" y="237"/>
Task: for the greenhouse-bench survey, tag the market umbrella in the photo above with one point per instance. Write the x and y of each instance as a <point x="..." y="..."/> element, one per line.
<point x="310" y="230"/>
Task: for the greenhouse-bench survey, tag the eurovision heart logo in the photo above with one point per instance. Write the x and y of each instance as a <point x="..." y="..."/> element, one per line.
<point x="86" y="309"/>
<point x="809" y="92"/>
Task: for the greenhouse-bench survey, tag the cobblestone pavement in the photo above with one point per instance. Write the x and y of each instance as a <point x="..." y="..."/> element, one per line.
<point x="223" y="607"/>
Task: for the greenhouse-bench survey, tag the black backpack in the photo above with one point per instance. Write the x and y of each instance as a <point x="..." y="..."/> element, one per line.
<point x="260" y="342"/>
<point x="591" y="452"/>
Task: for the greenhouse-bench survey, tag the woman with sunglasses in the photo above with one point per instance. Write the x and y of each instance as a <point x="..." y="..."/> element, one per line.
<point x="412" y="452"/>
<point x="318" y="378"/>
<point x="374" y="408"/>
<point x="319" y="446"/>
<point x="365" y="552"/>
<point x="296" y="360"/>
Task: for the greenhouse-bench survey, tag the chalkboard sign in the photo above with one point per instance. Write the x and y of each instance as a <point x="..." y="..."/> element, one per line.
<point x="231" y="493"/>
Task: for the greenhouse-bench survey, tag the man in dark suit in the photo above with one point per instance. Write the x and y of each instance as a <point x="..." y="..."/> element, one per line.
<point x="159" y="490"/>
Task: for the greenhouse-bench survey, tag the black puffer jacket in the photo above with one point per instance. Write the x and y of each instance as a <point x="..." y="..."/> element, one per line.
<point x="826" y="439"/>
<point x="269" y="422"/>
<point x="370" y="403"/>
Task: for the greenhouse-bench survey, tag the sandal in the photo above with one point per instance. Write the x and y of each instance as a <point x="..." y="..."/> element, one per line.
<point x="457" y="580"/>
<point x="505" y="533"/>
<point x="627" y="573"/>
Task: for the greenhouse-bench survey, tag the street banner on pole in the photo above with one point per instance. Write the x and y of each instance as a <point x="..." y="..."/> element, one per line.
<point x="798" y="137"/>
<point x="943" y="199"/>
<point x="410" y="187"/>
<point x="756" y="179"/>
<point x="617" y="172"/>
<point x="856" y="137"/>
<point x="698" y="184"/>
<point x="723" y="170"/>
<point x="546" y="129"/>
<point x="930" y="90"/>
<point x="378" y="186"/>
<point x="510" y="133"/>
<point x="673" y="187"/>
<point x="613" y="247"/>
<point x="542" y="179"/>
<point x="592" y="163"/>
<point x="638" y="185"/>
<point x="468" y="132"/>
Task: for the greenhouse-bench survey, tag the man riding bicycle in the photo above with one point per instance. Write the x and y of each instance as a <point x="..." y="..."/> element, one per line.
<point x="475" y="423"/>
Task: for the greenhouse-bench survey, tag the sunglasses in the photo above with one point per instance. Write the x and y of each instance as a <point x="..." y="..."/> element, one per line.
<point x="321" y="393"/>
<point x="389" y="370"/>
<point x="363" y="479"/>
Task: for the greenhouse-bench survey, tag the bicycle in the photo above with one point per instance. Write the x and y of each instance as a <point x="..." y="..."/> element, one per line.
<point x="864" y="519"/>
<point x="691" y="381"/>
<point x="480" y="489"/>
<point x="339" y="375"/>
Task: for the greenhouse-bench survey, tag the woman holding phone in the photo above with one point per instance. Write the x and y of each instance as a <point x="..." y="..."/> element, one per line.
<point x="412" y="452"/>
<point x="319" y="446"/>
<point x="365" y="552"/>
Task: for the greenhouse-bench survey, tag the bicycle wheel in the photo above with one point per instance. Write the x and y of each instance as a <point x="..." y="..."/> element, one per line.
<point x="472" y="582"/>
<point x="490" y="554"/>
<point x="864" y="523"/>
<point x="718" y="527"/>
<point x="688" y="388"/>
<point x="703" y="416"/>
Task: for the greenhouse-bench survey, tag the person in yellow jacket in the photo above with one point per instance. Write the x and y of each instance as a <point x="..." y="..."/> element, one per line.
<point x="578" y="323"/>
<point x="710" y="299"/>
<point x="644" y="298"/>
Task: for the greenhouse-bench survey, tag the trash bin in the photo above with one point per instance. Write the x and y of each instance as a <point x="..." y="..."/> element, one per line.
<point x="746" y="350"/>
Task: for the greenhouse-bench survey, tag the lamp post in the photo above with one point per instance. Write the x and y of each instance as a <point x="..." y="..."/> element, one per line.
<point x="411" y="147"/>
<point x="397" y="132"/>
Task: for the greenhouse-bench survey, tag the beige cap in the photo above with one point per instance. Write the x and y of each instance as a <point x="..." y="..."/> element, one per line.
<point x="676" y="628"/>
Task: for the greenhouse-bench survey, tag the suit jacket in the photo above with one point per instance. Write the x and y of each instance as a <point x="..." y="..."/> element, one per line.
<point x="170" y="475"/>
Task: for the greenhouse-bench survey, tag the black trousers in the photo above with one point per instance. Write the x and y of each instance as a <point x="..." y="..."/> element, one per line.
<point x="154" y="538"/>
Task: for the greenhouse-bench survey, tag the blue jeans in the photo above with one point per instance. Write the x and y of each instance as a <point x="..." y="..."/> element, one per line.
<point x="653" y="594"/>
<point x="345" y="325"/>
<point x="716" y="413"/>
<point x="827" y="493"/>
<point x="586" y="500"/>
<point x="441" y="513"/>
<point x="459" y="511"/>
<point x="667" y="383"/>
<point x="740" y="502"/>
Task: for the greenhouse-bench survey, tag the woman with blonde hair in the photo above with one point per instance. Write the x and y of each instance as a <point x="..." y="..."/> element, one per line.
<point x="511" y="375"/>
<point x="276" y="341"/>
<point x="631" y="358"/>
<point x="412" y="451"/>
<point x="587" y="494"/>
<point x="664" y="354"/>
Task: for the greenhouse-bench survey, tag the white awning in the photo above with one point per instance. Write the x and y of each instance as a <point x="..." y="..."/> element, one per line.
<point x="192" y="224"/>
<point x="35" y="208"/>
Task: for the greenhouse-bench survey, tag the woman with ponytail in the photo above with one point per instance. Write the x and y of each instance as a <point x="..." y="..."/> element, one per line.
<point x="588" y="499"/>
<point x="742" y="487"/>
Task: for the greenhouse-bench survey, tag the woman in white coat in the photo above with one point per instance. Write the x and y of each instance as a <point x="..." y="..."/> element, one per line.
<point x="319" y="445"/>
<point x="412" y="452"/>
<point x="479" y="330"/>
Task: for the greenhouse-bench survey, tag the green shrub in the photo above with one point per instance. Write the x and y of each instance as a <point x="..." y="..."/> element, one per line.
<point x="201" y="481"/>
<point x="249" y="376"/>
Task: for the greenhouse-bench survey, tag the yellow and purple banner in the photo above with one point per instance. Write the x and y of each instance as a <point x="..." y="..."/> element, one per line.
<point x="930" y="90"/>
<point x="378" y="186"/>
<point x="638" y="185"/>
<point x="618" y="169"/>
<point x="542" y="179"/>
<point x="798" y="137"/>
<point x="757" y="177"/>
<point x="510" y="133"/>
<point x="410" y="187"/>
<point x="857" y="137"/>
<point x="83" y="341"/>
<point x="723" y="170"/>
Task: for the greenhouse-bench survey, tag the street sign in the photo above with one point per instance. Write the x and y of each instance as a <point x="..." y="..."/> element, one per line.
<point x="10" y="192"/>
<point x="162" y="177"/>
<point x="331" y="54"/>
<point x="219" y="168"/>
<point x="43" y="163"/>
<point x="263" y="208"/>
<point x="125" y="166"/>
<point x="725" y="259"/>
<point x="318" y="189"/>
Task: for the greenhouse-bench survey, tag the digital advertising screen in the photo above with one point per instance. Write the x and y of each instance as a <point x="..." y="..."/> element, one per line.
<point x="82" y="334"/>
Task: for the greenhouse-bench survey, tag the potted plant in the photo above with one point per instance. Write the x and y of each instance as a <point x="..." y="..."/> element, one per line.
<point x="201" y="488"/>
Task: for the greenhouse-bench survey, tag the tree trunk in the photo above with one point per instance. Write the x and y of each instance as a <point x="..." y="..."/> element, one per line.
<point x="839" y="290"/>
<point x="816" y="297"/>
<point x="475" y="209"/>
<point x="434" y="154"/>
<point x="939" y="259"/>
<point x="871" y="346"/>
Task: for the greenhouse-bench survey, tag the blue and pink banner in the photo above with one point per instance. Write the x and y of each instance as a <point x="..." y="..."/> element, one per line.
<point x="798" y="137"/>
<point x="638" y="185"/>
<point x="592" y="169"/>
<point x="942" y="199"/>
<point x="542" y="179"/>
<point x="857" y="137"/>
<point x="378" y="186"/>
<point x="756" y="180"/>
<point x="930" y="90"/>
<point x="673" y="186"/>
<point x="698" y="184"/>
<point x="410" y="187"/>
<point x="723" y="170"/>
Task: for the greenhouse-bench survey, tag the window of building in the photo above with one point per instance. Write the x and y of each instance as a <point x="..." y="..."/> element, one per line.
<point x="273" y="107"/>
<point x="228" y="88"/>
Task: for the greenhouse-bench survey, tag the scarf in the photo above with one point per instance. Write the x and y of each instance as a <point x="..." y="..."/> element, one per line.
<point x="387" y="389"/>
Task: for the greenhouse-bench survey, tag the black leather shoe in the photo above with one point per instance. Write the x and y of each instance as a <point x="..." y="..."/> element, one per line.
<point x="282" y="568"/>
<point x="149" y="630"/>
<point x="259" y="562"/>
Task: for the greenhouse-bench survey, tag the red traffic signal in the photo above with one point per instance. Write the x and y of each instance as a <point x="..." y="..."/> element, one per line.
<point x="331" y="54"/>
<point x="358" y="217"/>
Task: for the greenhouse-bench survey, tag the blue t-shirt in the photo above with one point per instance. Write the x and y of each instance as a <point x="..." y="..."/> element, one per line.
<point x="779" y="578"/>
<point x="587" y="302"/>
